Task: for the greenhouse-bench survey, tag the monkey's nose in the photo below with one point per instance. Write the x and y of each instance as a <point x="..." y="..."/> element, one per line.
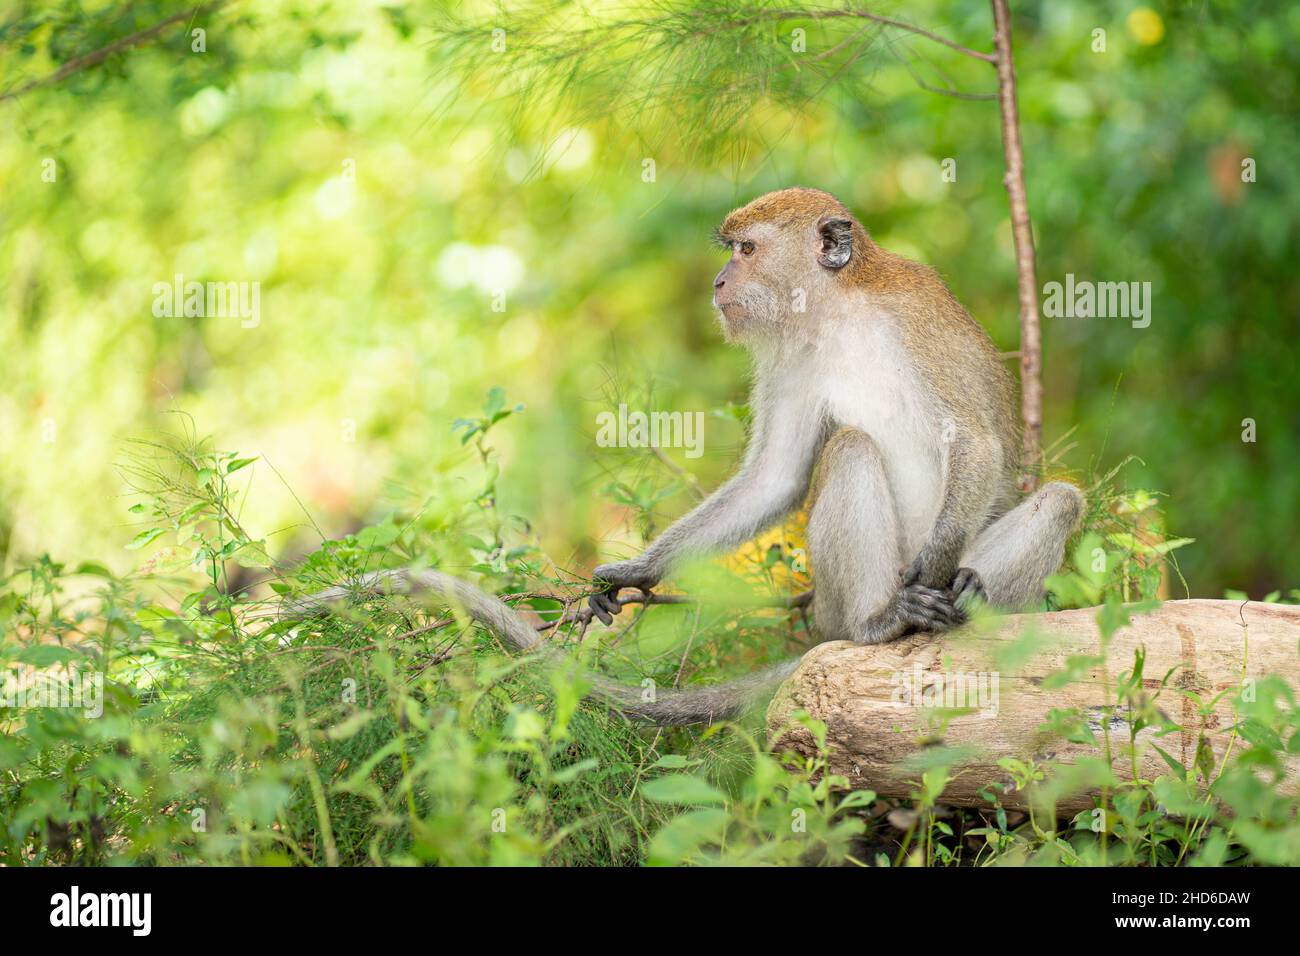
<point x="719" y="282"/>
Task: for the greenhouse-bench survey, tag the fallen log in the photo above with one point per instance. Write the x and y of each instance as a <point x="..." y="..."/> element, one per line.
<point x="988" y="691"/>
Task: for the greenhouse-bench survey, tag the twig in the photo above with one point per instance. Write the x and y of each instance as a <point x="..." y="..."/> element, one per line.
<point x="96" y="57"/>
<point x="686" y="651"/>
<point x="929" y="88"/>
<point x="860" y="15"/>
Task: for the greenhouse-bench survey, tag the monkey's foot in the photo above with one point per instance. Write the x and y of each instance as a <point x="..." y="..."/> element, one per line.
<point x="967" y="586"/>
<point x="928" y="609"/>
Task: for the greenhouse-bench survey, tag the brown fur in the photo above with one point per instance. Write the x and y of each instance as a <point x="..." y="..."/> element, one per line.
<point x="935" y="325"/>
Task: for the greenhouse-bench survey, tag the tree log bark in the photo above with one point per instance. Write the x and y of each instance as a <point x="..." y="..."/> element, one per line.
<point x="878" y="701"/>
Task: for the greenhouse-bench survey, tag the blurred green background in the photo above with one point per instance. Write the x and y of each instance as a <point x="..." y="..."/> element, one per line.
<point x="382" y="200"/>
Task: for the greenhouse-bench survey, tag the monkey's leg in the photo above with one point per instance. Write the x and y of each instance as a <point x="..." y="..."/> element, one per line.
<point x="1013" y="556"/>
<point x="854" y="538"/>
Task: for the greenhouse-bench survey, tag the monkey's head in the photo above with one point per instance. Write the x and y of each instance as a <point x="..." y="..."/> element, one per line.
<point x="789" y="251"/>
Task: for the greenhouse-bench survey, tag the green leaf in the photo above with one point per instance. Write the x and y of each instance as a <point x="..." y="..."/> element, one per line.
<point x="571" y="773"/>
<point x="154" y="613"/>
<point x="379" y="536"/>
<point x="259" y="801"/>
<point x="1174" y="765"/>
<point x="44" y="655"/>
<point x="858" y="798"/>
<point x="350" y="726"/>
<point x="525" y="724"/>
<point x="190" y="513"/>
<point x="682" y="837"/>
<point x="682" y="789"/>
<point x="1214" y="850"/>
<point x="144" y="538"/>
<point x="671" y="762"/>
<point x="8" y="606"/>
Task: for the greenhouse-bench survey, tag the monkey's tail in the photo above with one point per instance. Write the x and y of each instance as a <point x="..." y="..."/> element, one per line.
<point x="701" y="705"/>
<point x="666" y="708"/>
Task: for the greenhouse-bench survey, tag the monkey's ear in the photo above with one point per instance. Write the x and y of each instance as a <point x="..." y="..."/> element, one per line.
<point x="837" y="241"/>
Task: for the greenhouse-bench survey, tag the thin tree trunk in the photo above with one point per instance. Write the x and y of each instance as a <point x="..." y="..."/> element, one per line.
<point x="1031" y="344"/>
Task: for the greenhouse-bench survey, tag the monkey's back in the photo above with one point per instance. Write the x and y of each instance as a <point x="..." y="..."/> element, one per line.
<point x="956" y="356"/>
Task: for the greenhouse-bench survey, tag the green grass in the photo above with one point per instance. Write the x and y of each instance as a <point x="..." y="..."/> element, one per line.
<point x="393" y="732"/>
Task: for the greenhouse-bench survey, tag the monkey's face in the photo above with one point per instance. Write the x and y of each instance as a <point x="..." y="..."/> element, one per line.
<point x="775" y="274"/>
<point x="757" y="290"/>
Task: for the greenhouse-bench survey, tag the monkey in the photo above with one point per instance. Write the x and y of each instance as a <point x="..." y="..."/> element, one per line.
<point x="886" y="389"/>
<point x="880" y="401"/>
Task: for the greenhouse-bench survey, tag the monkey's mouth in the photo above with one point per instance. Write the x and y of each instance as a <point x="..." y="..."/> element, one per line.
<point x="731" y="310"/>
<point x="734" y="320"/>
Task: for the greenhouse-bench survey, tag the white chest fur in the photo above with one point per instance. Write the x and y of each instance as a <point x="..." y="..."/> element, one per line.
<point x="865" y="381"/>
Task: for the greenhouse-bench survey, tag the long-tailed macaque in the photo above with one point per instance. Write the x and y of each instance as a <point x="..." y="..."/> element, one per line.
<point x="875" y="389"/>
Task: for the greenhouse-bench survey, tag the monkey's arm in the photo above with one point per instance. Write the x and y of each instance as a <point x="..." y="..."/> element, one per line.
<point x="771" y="483"/>
<point x="970" y="472"/>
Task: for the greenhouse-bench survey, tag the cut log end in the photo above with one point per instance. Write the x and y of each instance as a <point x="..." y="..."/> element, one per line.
<point x="986" y="692"/>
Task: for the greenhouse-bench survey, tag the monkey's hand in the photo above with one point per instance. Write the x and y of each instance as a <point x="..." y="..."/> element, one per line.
<point x="621" y="574"/>
<point x="931" y="569"/>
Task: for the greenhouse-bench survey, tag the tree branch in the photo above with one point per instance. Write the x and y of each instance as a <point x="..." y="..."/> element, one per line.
<point x="942" y="91"/>
<point x="96" y="57"/>
<point x="875" y="18"/>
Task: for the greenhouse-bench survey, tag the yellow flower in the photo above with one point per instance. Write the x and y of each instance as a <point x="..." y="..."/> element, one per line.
<point x="750" y="560"/>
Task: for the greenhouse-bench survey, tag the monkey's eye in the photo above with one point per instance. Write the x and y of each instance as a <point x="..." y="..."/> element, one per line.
<point x="746" y="248"/>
